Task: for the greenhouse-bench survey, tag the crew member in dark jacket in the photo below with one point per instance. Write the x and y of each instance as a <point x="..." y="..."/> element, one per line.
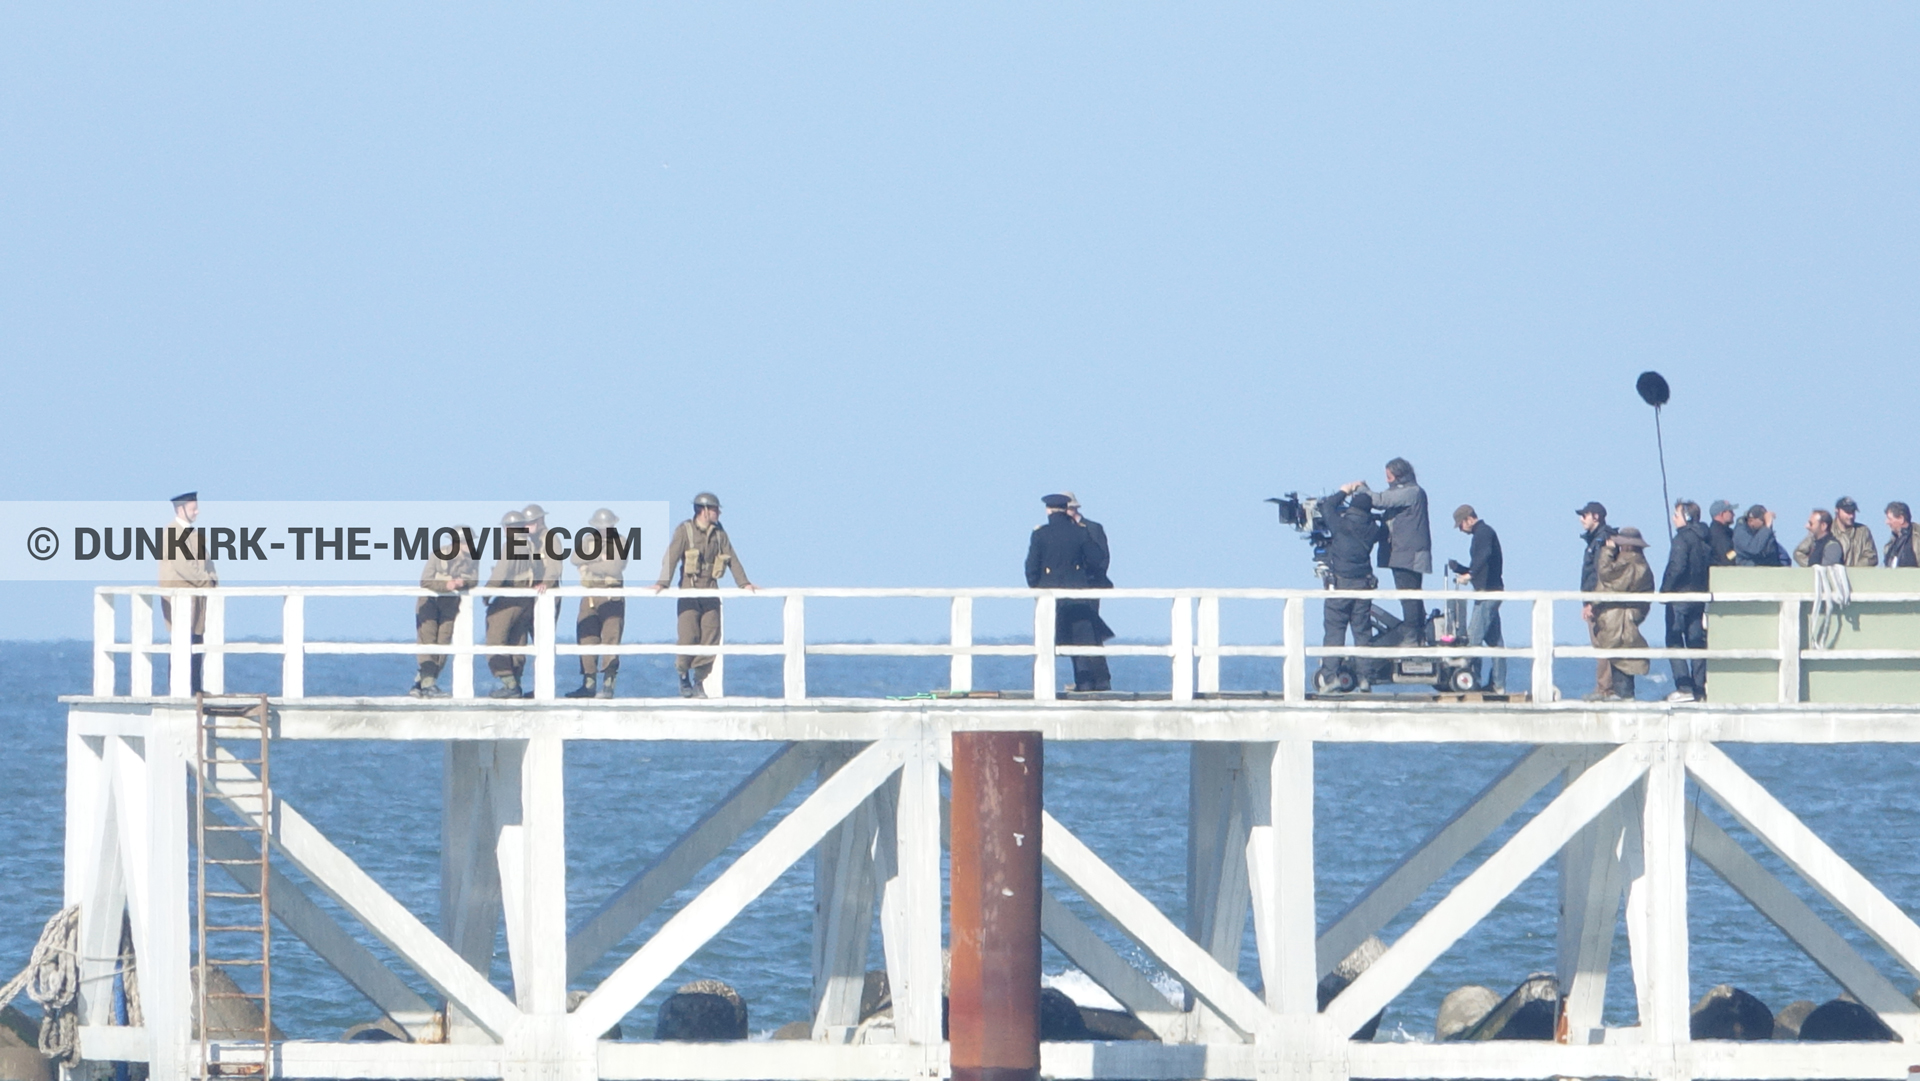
<point x="1900" y="551"/>
<point x="1754" y="544"/>
<point x="1687" y="564"/>
<point x="1349" y="516"/>
<point x="1409" y="548"/>
<point x="1485" y="569"/>
<point x="1596" y="532"/>
<point x="1720" y="534"/>
<point x="1062" y="555"/>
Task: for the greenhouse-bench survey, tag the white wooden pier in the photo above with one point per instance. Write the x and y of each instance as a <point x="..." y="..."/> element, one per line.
<point x="1619" y="825"/>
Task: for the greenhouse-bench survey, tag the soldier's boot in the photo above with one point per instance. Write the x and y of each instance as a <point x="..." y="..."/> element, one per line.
<point x="1623" y="686"/>
<point x="585" y="690"/>
<point x="606" y="686"/>
<point x="509" y="687"/>
<point x="419" y="688"/>
<point x="686" y="685"/>
<point x="697" y="683"/>
<point x="430" y="687"/>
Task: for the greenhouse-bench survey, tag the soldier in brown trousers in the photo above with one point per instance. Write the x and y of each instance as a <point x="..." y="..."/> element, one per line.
<point x="510" y="619"/>
<point x="183" y="565"/>
<point x="601" y="618"/>
<point x="703" y="553"/>
<point x="433" y="616"/>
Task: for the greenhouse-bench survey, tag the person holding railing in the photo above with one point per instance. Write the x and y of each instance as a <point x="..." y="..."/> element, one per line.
<point x="1900" y="551"/>
<point x="433" y="616"/>
<point x="601" y="618"/>
<point x="1688" y="562"/>
<point x="1485" y="571"/>
<point x="703" y="553"/>
<point x="183" y="565"/>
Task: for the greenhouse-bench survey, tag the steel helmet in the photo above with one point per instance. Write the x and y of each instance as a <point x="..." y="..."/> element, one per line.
<point x="533" y="512"/>
<point x="707" y="499"/>
<point x="513" y="517"/>
<point x="603" y="518"/>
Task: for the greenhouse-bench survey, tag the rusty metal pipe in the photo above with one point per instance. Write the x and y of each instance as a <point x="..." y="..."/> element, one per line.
<point x="994" y="1001"/>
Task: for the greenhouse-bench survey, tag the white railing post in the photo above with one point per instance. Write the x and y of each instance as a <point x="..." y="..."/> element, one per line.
<point x="180" y="647"/>
<point x="213" y="669"/>
<point x="960" y="635"/>
<point x="1043" y="654"/>
<point x="1182" y="637"/>
<point x="1542" y="646"/>
<point x="102" y="638"/>
<point x="715" y="684"/>
<point x="793" y="637"/>
<point x="293" y="643"/>
<point x="461" y="664"/>
<point x="1208" y="652"/>
<point x="1294" y="671"/>
<point x="1789" y="649"/>
<point x="546" y="614"/>
<point x="140" y="636"/>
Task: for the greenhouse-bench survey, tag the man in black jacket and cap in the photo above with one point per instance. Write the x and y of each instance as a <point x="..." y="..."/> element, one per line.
<point x="1061" y="555"/>
<point x="1687" y="564"/>
<point x="1349" y="517"/>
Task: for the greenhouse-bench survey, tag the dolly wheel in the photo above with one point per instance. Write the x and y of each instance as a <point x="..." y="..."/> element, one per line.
<point x="1463" y="680"/>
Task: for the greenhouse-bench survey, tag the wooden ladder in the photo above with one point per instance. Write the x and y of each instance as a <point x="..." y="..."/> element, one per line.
<point x="234" y="773"/>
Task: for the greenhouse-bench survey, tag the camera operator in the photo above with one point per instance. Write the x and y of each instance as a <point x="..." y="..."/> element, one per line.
<point x="1409" y="551"/>
<point x="1349" y="517"/>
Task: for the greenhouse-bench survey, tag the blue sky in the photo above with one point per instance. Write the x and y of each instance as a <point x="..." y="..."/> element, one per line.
<point x="883" y="275"/>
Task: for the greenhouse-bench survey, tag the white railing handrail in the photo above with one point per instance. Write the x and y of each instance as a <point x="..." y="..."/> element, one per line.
<point x="1194" y="648"/>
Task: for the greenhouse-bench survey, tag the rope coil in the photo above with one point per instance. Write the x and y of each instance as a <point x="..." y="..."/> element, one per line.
<point x="52" y="979"/>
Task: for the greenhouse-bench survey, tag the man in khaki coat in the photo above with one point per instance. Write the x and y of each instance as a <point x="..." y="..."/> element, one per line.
<point x="1856" y="540"/>
<point x="601" y="618"/>
<point x="703" y="553"/>
<point x="433" y="617"/>
<point x="510" y="619"/>
<point x="1622" y="567"/>
<point x="183" y="565"/>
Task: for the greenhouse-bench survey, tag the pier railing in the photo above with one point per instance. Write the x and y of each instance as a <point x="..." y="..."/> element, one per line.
<point x="1194" y="646"/>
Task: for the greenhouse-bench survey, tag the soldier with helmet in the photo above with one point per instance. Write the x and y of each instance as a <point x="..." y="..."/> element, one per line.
<point x="433" y="616"/>
<point x="703" y="553"/>
<point x="510" y="619"/>
<point x="184" y="565"/>
<point x="601" y="618"/>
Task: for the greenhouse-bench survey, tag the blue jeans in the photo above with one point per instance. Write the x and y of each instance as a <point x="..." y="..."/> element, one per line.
<point x="1483" y="629"/>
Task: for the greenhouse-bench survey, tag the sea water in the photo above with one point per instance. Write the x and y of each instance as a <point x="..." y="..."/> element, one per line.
<point x="380" y="802"/>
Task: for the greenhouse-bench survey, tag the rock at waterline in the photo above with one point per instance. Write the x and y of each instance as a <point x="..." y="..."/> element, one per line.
<point x="1728" y="1013"/>
<point x="1844" y="1020"/>
<point x="1786" y="1023"/>
<point x="1349" y="970"/>
<point x="1113" y="1025"/>
<point x="704" y="1011"/>
<point x="1531" y="1012"/>
<point x="20" y="1058"/>
<point x="1463" y="1008"/>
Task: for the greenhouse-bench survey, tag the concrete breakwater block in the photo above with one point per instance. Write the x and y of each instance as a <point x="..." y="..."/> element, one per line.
<point x="1843" y="1019"/>
<point x="1530" y="1012"/>
<point x="1463" y="1008"/>
<point x="20" y="1048"/>
<point x="228" y="1018"/>
<point x="1728" y="1013"/>
<point x="1786" y="1023"/>
<point x="1349" y="970"/>
<point x="704" y="1011"/>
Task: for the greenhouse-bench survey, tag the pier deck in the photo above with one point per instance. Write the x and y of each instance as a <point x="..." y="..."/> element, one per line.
<point x="1620" y="823"/>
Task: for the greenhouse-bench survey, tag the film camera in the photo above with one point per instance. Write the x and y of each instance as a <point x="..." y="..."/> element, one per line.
<point x="1307" y="516"/>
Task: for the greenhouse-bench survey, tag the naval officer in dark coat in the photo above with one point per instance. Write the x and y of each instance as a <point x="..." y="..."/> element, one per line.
<point x="1062" y="555"/>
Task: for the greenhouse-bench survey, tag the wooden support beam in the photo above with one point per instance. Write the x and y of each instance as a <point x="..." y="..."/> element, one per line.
<point x="1044" y="679"/>
<point x="716" y="906"/>
<point x="543" y="890"/>
<point x="1104" y="966"/>
<point x="1182" y="639"/>
<point x="1294" y="666"/>
<point x="960" y="635"/>
<point x="1479" y="892"/>
<point x="480" y="785"/>
<point x="1279" y="781"/>
<point x="95" y="878"/>
<point x="1809" y="856"/>
<point x="1446" y="846"/>
<point x="332" y="871"/>
<point x="213" y="668"/>
<point x="912" y="900"/>
<point x="793" y="635"/>
<point x="1785" y="910"/>
<point x="1593" y="884"/>
<point x="1137" y="918"/>
<point x="1663" y="833"/>
<point x="293" y="639"/>
<point x="140" y="636"/>
<point x="1218" y="893"/>
<point x="645" y="892"/>
<point x="1208" y="631"/>
<point x="103" y="635"/>
<point x="844" y="885"/>
<point x="166" y="956"/>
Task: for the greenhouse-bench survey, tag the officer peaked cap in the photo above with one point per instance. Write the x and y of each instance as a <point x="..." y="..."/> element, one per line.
<point x="1054" y="502"/>
<point x="186" y="497"/>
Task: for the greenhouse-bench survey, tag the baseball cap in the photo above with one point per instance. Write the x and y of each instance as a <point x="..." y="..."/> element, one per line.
<point x="1720" y="506"/>
<point x="1593" y="507"/>
<point x="1463" y="512"/>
